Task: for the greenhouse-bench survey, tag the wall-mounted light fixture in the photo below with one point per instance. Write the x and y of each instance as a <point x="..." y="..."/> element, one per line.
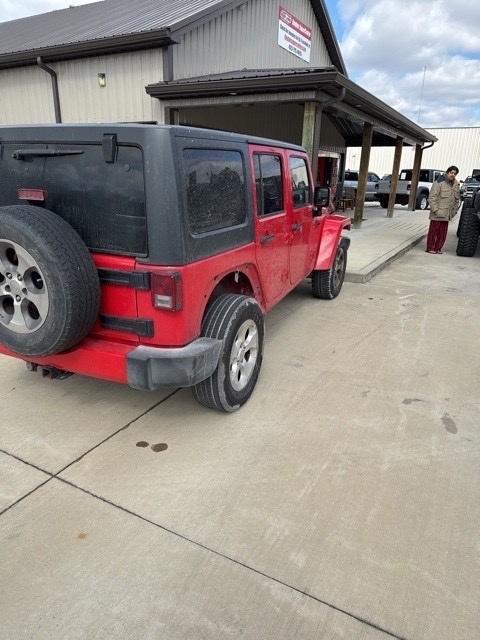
<point x="102" y="80"/>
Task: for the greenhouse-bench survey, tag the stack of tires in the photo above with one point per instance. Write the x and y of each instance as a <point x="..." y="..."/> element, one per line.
<point x="469" y="227"/>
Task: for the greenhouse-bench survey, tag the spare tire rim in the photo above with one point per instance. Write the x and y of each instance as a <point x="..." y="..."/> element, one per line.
<point x="243" y="355"/>
<point x="24" y="300"/>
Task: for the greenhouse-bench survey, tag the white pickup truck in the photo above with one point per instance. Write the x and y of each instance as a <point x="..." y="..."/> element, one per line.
<point x="427" y="178"/>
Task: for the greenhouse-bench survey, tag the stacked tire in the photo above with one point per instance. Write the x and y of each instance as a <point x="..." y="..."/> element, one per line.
<point x="468" y="229"/>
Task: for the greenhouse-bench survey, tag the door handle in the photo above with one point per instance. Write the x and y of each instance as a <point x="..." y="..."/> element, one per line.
<point x="296" y="226"/>
<point x="267" y="238"/>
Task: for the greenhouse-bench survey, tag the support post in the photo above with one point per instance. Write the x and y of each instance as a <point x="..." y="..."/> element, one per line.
<point x="363" y="174"/>
<point x="312" y="120"/>
<point x="417" y="163"/>
<point x="395" y="172"/>
<point x="341" y="177"/>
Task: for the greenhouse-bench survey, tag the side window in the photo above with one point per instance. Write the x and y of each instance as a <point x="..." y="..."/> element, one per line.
<point x="268" y="183"/>
<point x="301" y="192"/>
<point x="215" y="188"/>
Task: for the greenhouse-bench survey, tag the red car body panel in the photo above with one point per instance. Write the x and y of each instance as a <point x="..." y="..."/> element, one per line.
<point x="332" y="228"/>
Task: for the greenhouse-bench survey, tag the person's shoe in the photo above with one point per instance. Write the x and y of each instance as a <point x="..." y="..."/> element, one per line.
<point x="439" y="252"/>
<point x="431" y="251"/>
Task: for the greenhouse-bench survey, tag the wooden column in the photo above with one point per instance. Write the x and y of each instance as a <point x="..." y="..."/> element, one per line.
<point x="395" y="171"/>
<point x="417" y="163"/>
<point x="312" y="120"/>
<point x="363" y="173"/>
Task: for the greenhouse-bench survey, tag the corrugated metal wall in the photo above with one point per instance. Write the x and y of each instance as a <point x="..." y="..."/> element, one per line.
<point x="458" y="145"/>
<point x="330" y="138"/>
<point x="246" y="37"/>
<point x="26" y="94"/>
<point x="277" y="121"/>
<point x="280" y="122"/>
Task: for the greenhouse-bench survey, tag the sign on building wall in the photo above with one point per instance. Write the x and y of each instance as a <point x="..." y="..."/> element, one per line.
<point x="293" y="35"/>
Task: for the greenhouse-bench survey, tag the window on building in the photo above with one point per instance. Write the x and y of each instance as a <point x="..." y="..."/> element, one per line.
<point x="215" y="187"/>
<point x="269" y="183"/>
<point x="301" y="191"/>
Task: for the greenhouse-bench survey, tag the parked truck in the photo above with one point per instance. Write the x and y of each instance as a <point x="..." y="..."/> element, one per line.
<point x="149" y="255"/>
<point x="427" y="178"/>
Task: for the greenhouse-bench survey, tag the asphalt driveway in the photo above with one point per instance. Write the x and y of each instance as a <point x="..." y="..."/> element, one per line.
<point x="343" y="501"/>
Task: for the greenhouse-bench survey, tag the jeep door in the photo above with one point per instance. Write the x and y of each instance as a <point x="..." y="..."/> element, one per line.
<point x="271" y="221"/>
<point x="300" y="209"/>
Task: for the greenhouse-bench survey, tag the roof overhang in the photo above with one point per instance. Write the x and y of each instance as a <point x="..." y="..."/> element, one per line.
<point x="97" y="47"/>
<point x="346" y="100"/>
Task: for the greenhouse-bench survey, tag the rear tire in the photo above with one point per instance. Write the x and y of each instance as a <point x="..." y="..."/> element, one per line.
<point x="238" y="322"/>
<point x="467" y="204"/>
<point x="468" y="234"/>
<point x="383" y="201"/>
<point x="422" y="202"/>
<point x="49" y="287"/>
<point x="328" y="284"/>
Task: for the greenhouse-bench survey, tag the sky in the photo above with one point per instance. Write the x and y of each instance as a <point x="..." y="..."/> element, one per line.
<point x="422" y="57"/>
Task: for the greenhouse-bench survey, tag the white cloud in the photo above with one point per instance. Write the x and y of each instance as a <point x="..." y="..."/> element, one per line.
<point x="388" y="43"/>
<point x="13" y="9"/>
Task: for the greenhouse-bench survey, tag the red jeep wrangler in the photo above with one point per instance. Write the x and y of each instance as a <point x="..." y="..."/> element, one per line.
<point x="149" y="255"/>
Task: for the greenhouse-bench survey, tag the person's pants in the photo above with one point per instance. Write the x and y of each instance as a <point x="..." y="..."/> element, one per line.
<point x="437" y="234"/>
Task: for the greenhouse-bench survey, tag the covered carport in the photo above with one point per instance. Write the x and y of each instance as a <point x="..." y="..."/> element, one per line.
<point x="319" y="108"/>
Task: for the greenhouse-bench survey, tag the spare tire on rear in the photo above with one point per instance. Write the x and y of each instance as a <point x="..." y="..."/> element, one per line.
<point x="49" y="286"/>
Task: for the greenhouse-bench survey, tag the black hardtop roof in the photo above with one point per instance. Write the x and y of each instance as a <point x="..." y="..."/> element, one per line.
<point x="34" y="131"/>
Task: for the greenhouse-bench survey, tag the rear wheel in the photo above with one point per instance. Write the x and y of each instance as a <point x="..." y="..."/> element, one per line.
<point x="422" y="202"/>
<point x="468" y="234"/>
<point x="328" y="284"/>
<point x="238" y="322"/>
<point x="383" y="201"/>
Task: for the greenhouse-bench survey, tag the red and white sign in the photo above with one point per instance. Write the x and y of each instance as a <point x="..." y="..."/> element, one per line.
<point x="293" y="35"/>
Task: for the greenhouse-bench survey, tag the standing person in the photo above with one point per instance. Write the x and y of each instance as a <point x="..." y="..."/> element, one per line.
<point x="444" y="201"/>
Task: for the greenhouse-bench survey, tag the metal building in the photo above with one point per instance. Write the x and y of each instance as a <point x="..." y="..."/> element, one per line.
<point x="459" y="146"/>
<point x="266" y="67"/>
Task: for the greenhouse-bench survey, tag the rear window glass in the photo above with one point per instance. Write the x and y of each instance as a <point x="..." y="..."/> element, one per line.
<point x="407" y="175"/>
<point x="215" y="187"/>
<point x="351" y="175"/>
<point x="104" y="202"/>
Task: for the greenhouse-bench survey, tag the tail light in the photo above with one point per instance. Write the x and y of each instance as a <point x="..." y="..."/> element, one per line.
<point x="166" y="291"/>
<point x="35" y="195"/>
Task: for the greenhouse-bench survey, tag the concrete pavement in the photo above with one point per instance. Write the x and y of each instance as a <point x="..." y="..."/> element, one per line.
<point x="381" y="240"/>
<point x="343" y="501"/>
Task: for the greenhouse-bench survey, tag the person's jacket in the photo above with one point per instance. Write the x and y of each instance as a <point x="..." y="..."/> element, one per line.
<point x="444" y="199"/>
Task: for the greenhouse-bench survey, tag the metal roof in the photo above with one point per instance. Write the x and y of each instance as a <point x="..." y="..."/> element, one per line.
<point x="94" y="21"/>
<point x="355" y="104"/>
<point x="120" y="25"/>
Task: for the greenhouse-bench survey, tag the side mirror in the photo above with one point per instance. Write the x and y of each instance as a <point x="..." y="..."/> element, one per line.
<point x="321" y="197"/>
<point x="462" y="181"/>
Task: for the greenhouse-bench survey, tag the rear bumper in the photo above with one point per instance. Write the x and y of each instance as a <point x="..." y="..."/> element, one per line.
<point x="150" y="368"/>
<point x="146" y="368"/>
